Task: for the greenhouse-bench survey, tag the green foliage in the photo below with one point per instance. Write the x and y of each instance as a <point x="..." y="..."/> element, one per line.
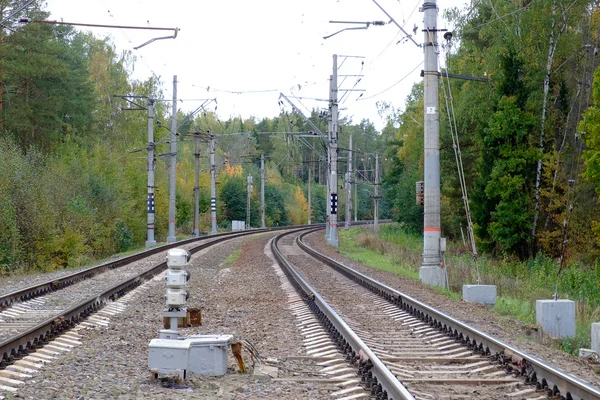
<point x="407" y="164"/>
<point x="521" y="310"/>
<point x="275" y="214"/>
<point x="123" y="236"/>
<point x="508" y="186"/>
<point x="519" y="283"/>
<point x="234" y="197"/>
<point x="48" y="94"/>
<point x="362" y="245"/>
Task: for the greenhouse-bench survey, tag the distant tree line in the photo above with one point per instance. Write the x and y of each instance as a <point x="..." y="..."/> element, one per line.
<point x="529" y="136"/>
<point x="72" y="190"/>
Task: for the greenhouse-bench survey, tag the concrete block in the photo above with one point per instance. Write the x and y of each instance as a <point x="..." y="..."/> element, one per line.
<point x="587" y="353"/>
<point x="556" y="317"/>
<point x="266" y="371"/>
<point x="433" y="276"/>
<point x="596" y="337"/>
<point x="482" y="294"/>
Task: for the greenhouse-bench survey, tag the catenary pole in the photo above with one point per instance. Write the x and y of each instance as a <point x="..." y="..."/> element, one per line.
<point x="355" y="181"/>
<point x="309" y="196"/>
<point x="262" y="191"/>
<point x="248" y="202"/>
<point x="430" y="266"/>
<point x="376" y="197"/>
<point x="328" y="166"/>
<point x="213" y="189"/>
<point x="333" y="181"/>
<point x="150" y="242"/>
<point x="197" y="185"/>
<point x="349" y="187"/>
<point x="172" y="178"/>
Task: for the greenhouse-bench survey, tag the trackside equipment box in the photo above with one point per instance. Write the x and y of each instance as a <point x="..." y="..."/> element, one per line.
<point x="169" y="357"/>
<point x="208" y="354"/>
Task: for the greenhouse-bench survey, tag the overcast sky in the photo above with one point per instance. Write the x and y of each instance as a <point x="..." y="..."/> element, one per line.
<point x="266" y="45"/>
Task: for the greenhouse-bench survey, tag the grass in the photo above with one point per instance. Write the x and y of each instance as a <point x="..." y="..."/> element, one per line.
<point x="519" y="283"/>
<point x="358" y="244"/>
<point x="232" y="258"/>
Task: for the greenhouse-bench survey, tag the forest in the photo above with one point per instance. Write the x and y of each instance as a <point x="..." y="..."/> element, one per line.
<point x="73" y="164"/>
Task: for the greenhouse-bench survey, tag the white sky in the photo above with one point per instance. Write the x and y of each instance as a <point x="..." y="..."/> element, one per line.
<point x="243" y="45"/>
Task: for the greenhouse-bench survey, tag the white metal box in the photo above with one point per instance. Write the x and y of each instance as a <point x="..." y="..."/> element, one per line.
<point x="168" y="357"/>
<point x="177" y="258"/>
<point x="176" y="297"/>
<point x="208" y="354"/>
<point x="176" y="278"/>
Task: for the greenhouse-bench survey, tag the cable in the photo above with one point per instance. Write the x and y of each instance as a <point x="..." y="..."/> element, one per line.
<point x="458" y="157"/>
<point x="385" y="90"/>
<point x="346" y="95"/>
<point x="169" y="95"/>
<point x="212" y="89"/>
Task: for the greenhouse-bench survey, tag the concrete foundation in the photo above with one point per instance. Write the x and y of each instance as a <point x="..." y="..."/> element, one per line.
<point x="433" y="276"/>
<point x="587" y="353"/>
<point x="596" y="337"/>
<point x="556" y="317"/>
<point x="482" y="294"/>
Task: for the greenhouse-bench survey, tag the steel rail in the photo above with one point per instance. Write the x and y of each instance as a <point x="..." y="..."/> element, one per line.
<point x="59" y="283"/>
<point x="374" y="373"/>
<point x="39" y="335"/>
<point x="535" y="371"/>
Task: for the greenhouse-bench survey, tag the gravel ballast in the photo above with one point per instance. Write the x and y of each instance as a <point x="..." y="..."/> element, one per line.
<point x="479" y="316"/>
<point x="243" y="298"/>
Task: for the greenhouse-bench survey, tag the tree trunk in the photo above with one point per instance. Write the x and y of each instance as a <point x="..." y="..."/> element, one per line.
<point x="1" y="82"/>
<point x="560" y="150"/>
<point x="553" y="43"/>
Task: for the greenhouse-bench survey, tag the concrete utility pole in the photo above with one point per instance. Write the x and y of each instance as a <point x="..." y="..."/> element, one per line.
<point x="349" y="186"/>
<point x="262" y="191"/>
<point x="172" y="181"/>
<point x="248" y="202"/>
<point x="376" y="197"/>
<point x="430" y="271"/>
<point x="355" y="181"/>
<point x="328" y="171"/>
<point x="309" y="196"/>
<point x="150" y="242"/>
<point x="197" y="185"/>
<point x="333" y="105"/>
<point x="213" y="189"/>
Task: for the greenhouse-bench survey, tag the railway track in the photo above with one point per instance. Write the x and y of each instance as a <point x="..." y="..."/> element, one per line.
<point x="404" y="349"/>
<point x="37" y="322"/>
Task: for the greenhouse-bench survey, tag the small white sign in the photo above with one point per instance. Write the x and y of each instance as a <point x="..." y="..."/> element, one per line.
<point x="431" y="110"/>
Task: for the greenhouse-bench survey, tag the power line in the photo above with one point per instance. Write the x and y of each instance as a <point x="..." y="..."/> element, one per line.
<point x="111" y="15"/>
<point x="253" y="91"/>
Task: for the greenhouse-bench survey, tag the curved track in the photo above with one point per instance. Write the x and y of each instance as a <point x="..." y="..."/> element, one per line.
<point x="398" y="342"/>
<point x="47" y="327"/>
